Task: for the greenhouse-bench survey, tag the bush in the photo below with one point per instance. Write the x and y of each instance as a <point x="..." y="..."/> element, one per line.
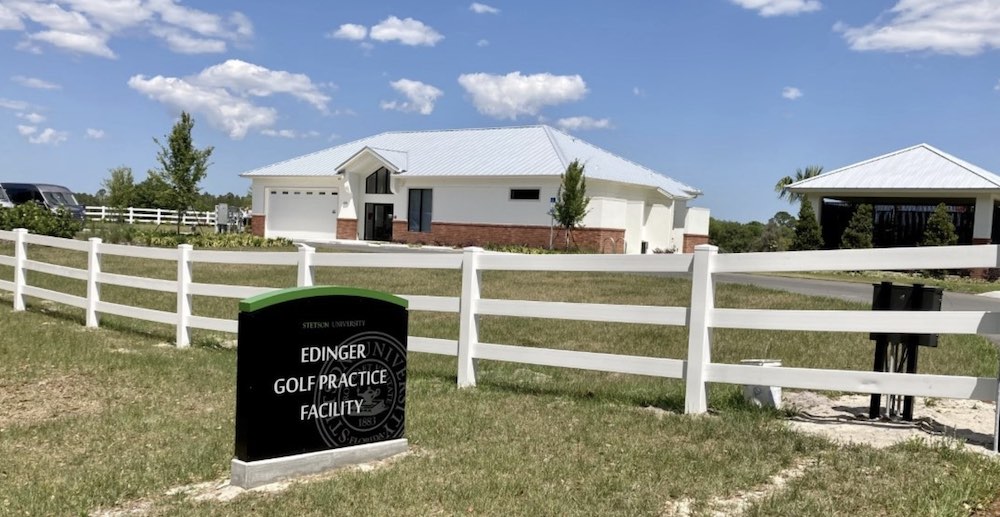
<point x="808" y="235"/>
<point x="40" y="220"/>
<point x="858" y="234"/>
<point x="207" y="240"/>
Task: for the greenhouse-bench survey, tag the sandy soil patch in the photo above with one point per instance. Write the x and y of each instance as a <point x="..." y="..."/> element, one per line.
<point x="845" y="420"/>
<point x="31" y="402"/>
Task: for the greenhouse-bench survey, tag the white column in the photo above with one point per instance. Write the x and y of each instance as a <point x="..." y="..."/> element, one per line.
<point x="817" y="203"/>
<point x="468" y="330"/>
<point x="305" y="276"/>
<point x="20" y="272"/>
<point x="983" y="227"/>
<point x="93" y="286"/>
<point x="699" y="329"/>
<point x="183" y="295"/>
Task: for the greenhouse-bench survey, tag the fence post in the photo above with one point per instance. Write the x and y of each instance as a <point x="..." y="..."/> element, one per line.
<point x="93" y="286"/>
<point x="131" y="215"/>
<point x="104" y="212"/>
<point x="699" y="329"/>
<point x="183" y="295"/>
<point x="20" y="257"/>
<point x="468" y="330"/>
<point x="305" y="277"/>
<point x="158" y="210"/>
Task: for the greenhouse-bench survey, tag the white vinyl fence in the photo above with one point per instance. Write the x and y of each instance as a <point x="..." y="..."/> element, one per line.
<point x="697" y="369"/>
<point x="148" y="215"/>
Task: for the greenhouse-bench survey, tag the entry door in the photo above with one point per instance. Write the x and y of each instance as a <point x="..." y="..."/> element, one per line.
<point x="378" y="222"/>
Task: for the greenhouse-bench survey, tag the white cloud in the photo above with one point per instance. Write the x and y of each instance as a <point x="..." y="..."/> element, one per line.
<point x="32" y="82"/>
<point x="638" y="92"/>
<point x="289" y="133"/>
<point x="87" y="43"/>
<point x="769" y="8"/>
<point x="420" y="97"/>
<point x="964" y="27"/>
<point x="26" y="130"/>
<point x="350" y="31"/>
<point x="791" y="93"/>
<point x="479" y="8"/>
<point x="583" y="123"/>
<point x="483" y="43"/>
<point x="514" y="94"/>
<point x="250" y="79"/>
<point x="87" y="26"/>
<point x="185" y="43"/>
<point x="95" y="134"/>
<point x="408" y="32"/>
<point x="12" y="104"/>
<point x="48" y="136"/>
<point x="10" y="20"/>
<point x="34" y="118"/>
<point x="221" y="92"/>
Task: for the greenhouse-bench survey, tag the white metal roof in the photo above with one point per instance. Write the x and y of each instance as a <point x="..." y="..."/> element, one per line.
<point x="921" y="167"/>
<point x="506" y="151"/>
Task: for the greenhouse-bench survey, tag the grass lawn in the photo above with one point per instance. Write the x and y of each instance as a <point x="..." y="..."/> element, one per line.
<point x="94" y="419"/>
<point x="950" y="283"/>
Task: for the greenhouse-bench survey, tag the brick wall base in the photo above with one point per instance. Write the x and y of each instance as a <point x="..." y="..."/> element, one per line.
<point x="257" y="225"/>
<point x="691" y="240"/>
<point x="597" y="240"/>
<point x="347" y="229"/>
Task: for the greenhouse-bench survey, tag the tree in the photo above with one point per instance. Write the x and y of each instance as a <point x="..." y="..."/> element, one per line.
<point x="732" y="236"/>
<point x="120" y="187"/>
<point x="808" y="235"/>
<point x="571" y="201"/>
<point x="940" y="230"/>
<point x="782" y="186"/>
<point x="777" y="234"/>
<point x="152" y="192"/>
<point x="182" y="166"/>
<point x="858" y="234"/>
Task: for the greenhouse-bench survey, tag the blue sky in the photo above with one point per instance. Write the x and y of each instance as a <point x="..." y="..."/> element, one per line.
<point x="725" y="95"/>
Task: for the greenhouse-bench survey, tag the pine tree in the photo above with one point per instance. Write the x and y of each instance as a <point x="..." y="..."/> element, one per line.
<point x="940" y="231"/>
<point x="858" y="234"/>
<point x="808" y="235"/>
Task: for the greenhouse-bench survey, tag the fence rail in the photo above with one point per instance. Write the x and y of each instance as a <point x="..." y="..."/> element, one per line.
<point x="148" y="215"/>
<point x="701" y="316"/>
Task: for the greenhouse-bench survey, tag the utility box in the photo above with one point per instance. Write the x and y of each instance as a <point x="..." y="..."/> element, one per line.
<point x="896" y="352"/>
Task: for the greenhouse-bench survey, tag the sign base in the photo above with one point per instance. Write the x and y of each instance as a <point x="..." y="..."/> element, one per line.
<point x="250" y="474"/>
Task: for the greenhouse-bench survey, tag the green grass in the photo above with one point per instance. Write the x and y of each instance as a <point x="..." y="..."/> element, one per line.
<point x="93" y="419"/>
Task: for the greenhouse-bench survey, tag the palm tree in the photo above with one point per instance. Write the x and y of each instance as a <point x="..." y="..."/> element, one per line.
<point x="782" y="186"/>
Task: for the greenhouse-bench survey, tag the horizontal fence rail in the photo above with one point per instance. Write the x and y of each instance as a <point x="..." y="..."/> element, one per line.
<point x="148" y="215"/>
<point x="701" y="316"/>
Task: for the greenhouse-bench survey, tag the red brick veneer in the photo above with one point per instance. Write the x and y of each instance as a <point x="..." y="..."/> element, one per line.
<point x="347" y="229"/>
<point x="604" y="240"/>
<point x="691" y="240"/>
<point x="257" y="225"/>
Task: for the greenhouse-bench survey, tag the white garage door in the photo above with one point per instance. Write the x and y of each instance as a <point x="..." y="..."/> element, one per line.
<point x="302" y="213"/>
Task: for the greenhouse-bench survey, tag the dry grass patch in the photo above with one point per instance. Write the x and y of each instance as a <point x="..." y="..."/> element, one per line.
<point x="56" y="396"/>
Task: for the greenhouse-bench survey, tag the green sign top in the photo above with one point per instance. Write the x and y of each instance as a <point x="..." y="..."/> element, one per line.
<point x="268" y="299"/>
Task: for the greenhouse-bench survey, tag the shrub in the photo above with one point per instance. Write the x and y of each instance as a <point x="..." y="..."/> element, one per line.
<point x="808" y="235"/>
<point x="940" y="230"/>
<point x="858" y="234"/>
<point x="37" y="219"/>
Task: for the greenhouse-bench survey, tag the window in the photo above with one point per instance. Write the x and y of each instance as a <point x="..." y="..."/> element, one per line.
<point x="419" y="215"/>
<point x="378" y="182"/>
<point x="524" y="193"/>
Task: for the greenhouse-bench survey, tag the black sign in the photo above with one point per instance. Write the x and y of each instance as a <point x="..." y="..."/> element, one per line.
<point x="319" y="368"/>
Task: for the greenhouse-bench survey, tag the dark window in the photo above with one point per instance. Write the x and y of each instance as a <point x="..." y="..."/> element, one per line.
<point x="524" y="193"/>
<point x="419" y="215"/>
<point x="378" y="182"/>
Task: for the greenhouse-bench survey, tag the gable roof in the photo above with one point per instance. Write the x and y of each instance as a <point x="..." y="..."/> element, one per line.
<point x="921" y="167"/>
<point x="505" y="151"/>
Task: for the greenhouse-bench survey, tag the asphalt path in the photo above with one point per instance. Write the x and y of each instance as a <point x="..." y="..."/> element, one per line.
<point x="851" y="291"/>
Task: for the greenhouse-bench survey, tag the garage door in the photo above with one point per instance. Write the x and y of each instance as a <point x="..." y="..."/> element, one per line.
<point x="302" y="213"/>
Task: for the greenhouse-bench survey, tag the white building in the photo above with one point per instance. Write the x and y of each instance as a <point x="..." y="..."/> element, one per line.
<point x="471" y="187"/>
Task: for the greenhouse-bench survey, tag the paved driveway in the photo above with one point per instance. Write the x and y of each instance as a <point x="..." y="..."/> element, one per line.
<point x="855" y="292"/>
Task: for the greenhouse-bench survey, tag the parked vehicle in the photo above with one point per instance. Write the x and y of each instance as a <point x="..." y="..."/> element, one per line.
<point x="4" y="200"/>
<point x="53" y="197"/>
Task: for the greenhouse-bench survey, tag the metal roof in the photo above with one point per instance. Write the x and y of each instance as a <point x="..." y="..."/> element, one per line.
<point x="921" y="167"/>
<point x="506" y="151"/>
